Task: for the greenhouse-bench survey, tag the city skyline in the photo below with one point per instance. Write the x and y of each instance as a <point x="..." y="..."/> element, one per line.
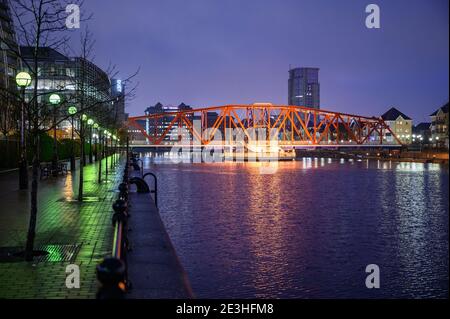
<point x="191" y="52"/>
<point x="245" y="151"/>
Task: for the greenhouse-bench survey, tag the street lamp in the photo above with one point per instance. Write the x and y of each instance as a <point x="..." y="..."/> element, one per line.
<point x="84" y="119"/>
<point x="105" y="152"/>
<point x="90" y="122"/>
<point x="54" y="100"/>
<point x="96" y="137"/>
<point x="99" y="152"/>
<point x="23" y="79"/>
<point x="72" y="111"/>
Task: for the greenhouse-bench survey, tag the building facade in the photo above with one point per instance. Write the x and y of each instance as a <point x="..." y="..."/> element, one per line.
<point x="9" y="63"/>
<point x="439" y="127"/>
<point x="78" y="81"/>
<point x="118" y="93"/>
<point x="158" y="126"/>
<point x="400" y="124"/>
<point x="155" y="128"/>
<point x="304" y="87"/>
<point x="421" y="133"/>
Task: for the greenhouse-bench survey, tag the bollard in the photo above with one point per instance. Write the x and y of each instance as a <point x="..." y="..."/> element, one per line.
<point x="123" y="187"/>
<point x="123" y="191"/>
<point x="111" y="275"/>
<point x="120" y="211"/>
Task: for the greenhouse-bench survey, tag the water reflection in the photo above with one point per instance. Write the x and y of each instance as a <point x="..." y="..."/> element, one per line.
<point x="309" y="230"/>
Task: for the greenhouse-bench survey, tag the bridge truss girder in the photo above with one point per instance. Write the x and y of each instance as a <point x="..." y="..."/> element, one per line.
<point x="294" y="125"/>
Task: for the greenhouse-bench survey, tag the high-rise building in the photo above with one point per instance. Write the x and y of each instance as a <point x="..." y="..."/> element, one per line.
<point x="118" y="93"/>
<point x="10" y="65"/>
<point x="304" y="87"/>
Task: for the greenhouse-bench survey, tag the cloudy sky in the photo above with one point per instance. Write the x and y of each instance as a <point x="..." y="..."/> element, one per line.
<point x="216" y="52"/>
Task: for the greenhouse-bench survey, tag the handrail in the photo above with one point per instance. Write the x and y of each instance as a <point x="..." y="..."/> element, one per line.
<point x="141" y="166"/>
<point x="155" y="190"/>
<point x="117" y="241"/>
<point x="112" y="271"/>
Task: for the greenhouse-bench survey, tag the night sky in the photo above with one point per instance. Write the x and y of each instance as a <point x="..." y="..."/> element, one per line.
<point x="211" y="52"/>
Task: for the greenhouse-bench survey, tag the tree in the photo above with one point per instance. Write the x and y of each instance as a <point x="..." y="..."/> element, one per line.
<point x="93" y="98"/>
<point x="40" y="23"/>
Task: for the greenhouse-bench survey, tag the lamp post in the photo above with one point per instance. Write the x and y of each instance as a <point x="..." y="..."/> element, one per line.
<point x="54" y="100"/>
<point x="106" y="135"/>
<point x="99" y="153"/>
<point x="115" y="148"/>
<point x="90" y="123"/>
<point x="84" y="118"/>
<point x="72" y="111"/>
<point x="23" y="79"/>
<point x="111" y="138"/>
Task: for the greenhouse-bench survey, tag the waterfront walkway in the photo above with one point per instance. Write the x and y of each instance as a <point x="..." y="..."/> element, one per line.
<point x="153" y="266"/>
<point x="74" y="233"/>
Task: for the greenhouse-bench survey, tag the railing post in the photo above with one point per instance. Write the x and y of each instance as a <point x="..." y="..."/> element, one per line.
<point x="111" y="274"/>
<point x="155" y="190"/>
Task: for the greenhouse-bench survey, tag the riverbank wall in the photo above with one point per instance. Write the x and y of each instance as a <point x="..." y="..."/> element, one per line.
<point x="154" y="269"/>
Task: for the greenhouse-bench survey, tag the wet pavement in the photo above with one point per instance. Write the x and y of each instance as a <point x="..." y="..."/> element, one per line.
<point x="75" y="233"/>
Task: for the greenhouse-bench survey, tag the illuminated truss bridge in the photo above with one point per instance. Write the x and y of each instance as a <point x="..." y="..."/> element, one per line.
<point x="292" y="127"/>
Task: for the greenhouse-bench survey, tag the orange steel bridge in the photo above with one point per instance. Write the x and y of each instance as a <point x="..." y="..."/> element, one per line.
<point x="293" y="126"/>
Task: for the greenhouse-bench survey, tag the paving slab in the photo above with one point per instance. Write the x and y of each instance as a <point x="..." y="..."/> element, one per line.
<point x="61" y="221"/>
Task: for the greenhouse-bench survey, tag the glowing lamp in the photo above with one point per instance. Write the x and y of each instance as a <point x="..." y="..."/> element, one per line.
<point x="23" y="79"/>
<point x="54" y="99"/>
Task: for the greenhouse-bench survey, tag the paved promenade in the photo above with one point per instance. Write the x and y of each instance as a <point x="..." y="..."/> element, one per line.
<point x="75" y="233"/>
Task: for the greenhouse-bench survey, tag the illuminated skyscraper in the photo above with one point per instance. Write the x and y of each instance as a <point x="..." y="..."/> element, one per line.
<point x="304" y="87"/>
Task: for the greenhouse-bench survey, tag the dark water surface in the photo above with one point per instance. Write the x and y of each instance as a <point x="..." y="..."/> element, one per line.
<point x="310" y="229"/>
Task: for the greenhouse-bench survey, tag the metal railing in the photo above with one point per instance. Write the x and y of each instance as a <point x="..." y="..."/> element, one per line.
<point x="145" y="188"/>
<point x="112" y="272"/>
<point x="155" y="189"/>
